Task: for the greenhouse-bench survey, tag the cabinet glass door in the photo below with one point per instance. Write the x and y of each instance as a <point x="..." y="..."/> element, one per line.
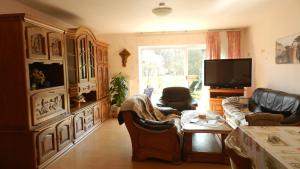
<point x="91" y="60"/>
<point x="82" y="53"/>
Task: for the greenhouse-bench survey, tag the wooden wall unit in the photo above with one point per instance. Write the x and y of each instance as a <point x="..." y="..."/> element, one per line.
<point x="217" y="95"/>
<point x="88" y="79"/>
<point x="37" y="122"/>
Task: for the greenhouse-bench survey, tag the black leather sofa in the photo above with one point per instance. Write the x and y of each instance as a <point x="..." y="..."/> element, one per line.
<point x="277" y="102"/>
<point x="263" y="100"/>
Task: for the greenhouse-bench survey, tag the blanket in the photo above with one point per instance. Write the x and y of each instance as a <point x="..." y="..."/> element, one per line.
<point x="142" y="106"/>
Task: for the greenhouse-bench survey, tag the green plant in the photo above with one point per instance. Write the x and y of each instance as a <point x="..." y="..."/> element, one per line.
<point x="118" y="89"/>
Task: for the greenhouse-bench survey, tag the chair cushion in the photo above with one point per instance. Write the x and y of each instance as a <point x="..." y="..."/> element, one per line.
<point x="156" y="125"/>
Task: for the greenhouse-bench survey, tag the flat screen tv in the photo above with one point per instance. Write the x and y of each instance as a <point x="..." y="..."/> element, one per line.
<point x="228" y="73"/>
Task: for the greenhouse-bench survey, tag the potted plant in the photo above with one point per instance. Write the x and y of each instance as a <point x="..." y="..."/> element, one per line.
<point x="118" y="91"/>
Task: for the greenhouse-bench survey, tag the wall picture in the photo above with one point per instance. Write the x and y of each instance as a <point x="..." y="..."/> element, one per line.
<point x="288" y="49"/>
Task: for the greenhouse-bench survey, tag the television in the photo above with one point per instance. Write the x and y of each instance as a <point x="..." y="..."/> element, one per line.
<point x="228" y="73"/>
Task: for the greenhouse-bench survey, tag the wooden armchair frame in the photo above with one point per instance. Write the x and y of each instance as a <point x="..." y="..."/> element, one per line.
<point x="146" y="143"/>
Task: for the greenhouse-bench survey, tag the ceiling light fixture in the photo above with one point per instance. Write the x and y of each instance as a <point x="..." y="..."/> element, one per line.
<point x="162" y="10"/>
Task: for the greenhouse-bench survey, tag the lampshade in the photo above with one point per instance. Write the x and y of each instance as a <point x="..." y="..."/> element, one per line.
<point x="162" y="10"/>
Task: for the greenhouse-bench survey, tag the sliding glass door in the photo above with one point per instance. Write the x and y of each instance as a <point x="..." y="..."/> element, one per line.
<point x="166" y="66"/>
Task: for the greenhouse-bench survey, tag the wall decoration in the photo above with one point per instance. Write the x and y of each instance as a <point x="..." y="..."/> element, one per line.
<point x="124" y="55"/>
<point x="288" y="50"/>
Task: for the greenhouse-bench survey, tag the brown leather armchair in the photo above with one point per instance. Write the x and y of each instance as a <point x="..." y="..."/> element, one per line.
<point x="178" y="98"/>
<point x="151" y="137"/>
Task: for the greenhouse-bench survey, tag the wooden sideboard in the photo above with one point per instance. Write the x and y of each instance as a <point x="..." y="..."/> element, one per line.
<point x="38" y="123"/>
<point x="217" y="95"/>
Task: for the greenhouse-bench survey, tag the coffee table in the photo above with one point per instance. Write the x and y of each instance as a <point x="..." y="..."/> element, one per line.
<point x="204" y="136"/>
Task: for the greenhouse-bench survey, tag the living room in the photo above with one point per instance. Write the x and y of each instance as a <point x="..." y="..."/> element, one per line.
<point x="131" y="25"/>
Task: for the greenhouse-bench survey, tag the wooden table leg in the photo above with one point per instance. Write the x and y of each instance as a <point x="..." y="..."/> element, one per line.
<point x="224" y="153"/>
<point x="187" y="145"/>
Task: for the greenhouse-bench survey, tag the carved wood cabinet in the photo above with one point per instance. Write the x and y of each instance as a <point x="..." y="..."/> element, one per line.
<point x="88" y="79"/>
<point x="43" y="72"/>
<point x="81" y="51"/>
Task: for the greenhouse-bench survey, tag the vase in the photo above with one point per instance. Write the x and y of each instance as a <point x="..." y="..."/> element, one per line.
<point x="115" y="111"/>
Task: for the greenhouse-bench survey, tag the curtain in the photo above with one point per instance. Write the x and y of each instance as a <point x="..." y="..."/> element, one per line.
<point x="234" y="51"/>
<point x="213" y="45"/>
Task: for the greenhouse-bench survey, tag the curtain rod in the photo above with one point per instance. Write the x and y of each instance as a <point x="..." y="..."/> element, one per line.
<point x="192" y="31"/>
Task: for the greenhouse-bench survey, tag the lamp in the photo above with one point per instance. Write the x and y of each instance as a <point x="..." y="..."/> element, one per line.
<point x="162" y="10"/>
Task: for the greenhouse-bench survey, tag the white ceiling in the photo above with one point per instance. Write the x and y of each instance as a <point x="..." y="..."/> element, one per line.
<point x="127" y="16"/>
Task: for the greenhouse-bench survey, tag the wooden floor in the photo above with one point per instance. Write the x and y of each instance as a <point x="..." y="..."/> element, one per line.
<point x="109" y="147"/>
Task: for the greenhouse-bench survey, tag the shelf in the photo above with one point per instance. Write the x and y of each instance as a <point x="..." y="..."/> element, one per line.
<point x="44" y="61"/>
<point x="241" y="91"/>
<point x="82" y="105"/>
<point x="45" y="89"/>
<point x="217" y="95"/>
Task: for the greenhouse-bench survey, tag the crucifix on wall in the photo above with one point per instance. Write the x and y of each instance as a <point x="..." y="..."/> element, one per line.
<point x="124" y="55"/>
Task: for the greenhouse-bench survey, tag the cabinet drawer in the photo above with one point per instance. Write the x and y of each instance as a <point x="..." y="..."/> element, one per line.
<point x="88" y="118"/>
<point x="88" y="126"/>
<point x="84" y="89"/>
<point x="92" y="86"/>
<point x="88" y="112"/>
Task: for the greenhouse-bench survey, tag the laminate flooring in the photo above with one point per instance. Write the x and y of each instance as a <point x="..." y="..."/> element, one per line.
<point x="109" y="147"/>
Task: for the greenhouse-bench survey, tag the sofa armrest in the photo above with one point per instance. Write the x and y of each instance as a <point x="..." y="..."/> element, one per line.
<point x="264" y="119"/>
<point x="292" y="120"/>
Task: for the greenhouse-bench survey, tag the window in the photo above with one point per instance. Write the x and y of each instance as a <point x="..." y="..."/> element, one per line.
<point x="166" y="66"/>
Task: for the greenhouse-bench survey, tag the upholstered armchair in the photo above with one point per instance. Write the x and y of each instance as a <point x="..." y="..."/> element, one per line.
<point x="153" y="134"/>
<point x="178" y="98"/>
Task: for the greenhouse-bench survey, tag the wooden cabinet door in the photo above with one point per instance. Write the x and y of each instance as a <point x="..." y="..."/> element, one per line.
<point x="105" y="55"/>
<point x="216" y="105"/>
<point x="105" y="108"/>
<point x="47" y="105"/>
<point x="78" y="125"/>
<point x="46" y="142"/>
<point x="91" y="60"/>
<point x="99" y="82"/>
<point x="105" y="81"/>
<point x="56" y="46"/>
<point x="36" y="43"/>
<point x="64" y="133"/>
<point x="82" y="58"/>
<point x="99" y="55"/>
<point x="97" y="114"/>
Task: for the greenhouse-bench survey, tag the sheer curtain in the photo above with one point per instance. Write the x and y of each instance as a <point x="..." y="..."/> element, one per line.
<point x="234" y="51"/>
<point x="213" y="51"/>
<point x="213" y="46"/>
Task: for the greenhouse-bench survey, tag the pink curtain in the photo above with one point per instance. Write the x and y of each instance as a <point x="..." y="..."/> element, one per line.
<point x="234" y="51"/>
<point x="213" y="45"/>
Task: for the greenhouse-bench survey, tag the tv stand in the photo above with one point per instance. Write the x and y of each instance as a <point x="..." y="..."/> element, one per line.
<point x="216" y="95"/>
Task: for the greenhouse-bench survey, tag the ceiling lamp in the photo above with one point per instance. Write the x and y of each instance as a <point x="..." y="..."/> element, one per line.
<point x="162" y="10"/>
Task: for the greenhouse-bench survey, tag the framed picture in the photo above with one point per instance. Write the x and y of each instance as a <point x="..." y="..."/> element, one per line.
<point x="288" y="50"/>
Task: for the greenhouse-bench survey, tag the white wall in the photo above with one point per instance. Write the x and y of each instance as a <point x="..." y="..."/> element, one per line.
<point x="279" y="20"/>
